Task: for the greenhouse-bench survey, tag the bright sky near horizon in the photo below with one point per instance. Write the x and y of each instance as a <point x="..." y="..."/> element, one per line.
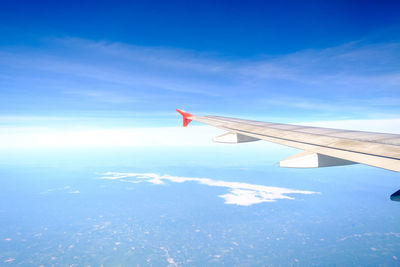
<point x="129" y="64"/>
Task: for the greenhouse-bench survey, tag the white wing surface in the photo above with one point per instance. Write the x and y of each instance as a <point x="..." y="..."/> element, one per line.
<point x="322" y="146"/>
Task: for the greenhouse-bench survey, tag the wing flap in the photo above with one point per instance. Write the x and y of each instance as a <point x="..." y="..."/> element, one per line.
<point x="307" y="159"/>
<point x="233" y="138"/>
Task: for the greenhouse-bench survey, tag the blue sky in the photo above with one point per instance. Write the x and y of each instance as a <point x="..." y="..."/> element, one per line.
<point x="132" y="63"/>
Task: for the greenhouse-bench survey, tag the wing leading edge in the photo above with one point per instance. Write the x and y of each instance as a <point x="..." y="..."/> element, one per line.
<point x="322" y="146"/>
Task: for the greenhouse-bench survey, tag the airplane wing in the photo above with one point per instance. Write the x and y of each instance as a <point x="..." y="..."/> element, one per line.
<point x="322" y="147"/>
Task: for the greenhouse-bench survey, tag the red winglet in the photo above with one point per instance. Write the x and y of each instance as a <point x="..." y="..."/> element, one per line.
<point x="185" y="116"/>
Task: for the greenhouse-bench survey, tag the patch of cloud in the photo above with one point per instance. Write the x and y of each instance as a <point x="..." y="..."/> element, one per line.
<point x="103" y="96"/>
<point x="312" y="104"/>
<point x="350" y="78"/>
<point x="170" y="260"/>
<point x="42" y="137"/>
<point x="61" y="137"/>
<point x="9" y="119"/>
<point x="66" y="189"/>
<point x="242" y="194"/>
<point x="371" y="234"/>
<point x="125" y="119"/>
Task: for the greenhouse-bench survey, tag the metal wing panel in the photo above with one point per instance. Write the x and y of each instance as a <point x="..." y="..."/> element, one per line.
<point x="383" y="138"/>
<point x="376" y="149"/>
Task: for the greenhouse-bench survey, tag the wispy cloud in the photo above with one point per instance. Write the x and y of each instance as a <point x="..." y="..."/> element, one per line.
<point x="356" y="79"/>
<point x="66" y="189"/>
<point x="242" y="194"/>
<point x="370" y="235"/>
<point x="103" y="96"/>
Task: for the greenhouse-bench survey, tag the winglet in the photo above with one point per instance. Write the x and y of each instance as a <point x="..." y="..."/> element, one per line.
<point x="185" y="116"/>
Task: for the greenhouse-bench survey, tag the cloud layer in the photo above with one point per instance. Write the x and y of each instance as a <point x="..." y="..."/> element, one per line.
<point x="81" y="137"/>
<point x="70" y="75"/>
<point x="73" y="92"/>
<point x="242" y="194"/>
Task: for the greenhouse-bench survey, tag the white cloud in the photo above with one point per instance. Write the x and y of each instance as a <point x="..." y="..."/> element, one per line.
<point x="242" y="194"/>
<point x="372" y="234"/>
<point x="61" y="137"/>
<point x="34" y="137"/>
<point x="66" y="188"/>
<point x="347" y="78"/>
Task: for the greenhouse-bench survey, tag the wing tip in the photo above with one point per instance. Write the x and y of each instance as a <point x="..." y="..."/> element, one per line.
<point x="185" y="116"/>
